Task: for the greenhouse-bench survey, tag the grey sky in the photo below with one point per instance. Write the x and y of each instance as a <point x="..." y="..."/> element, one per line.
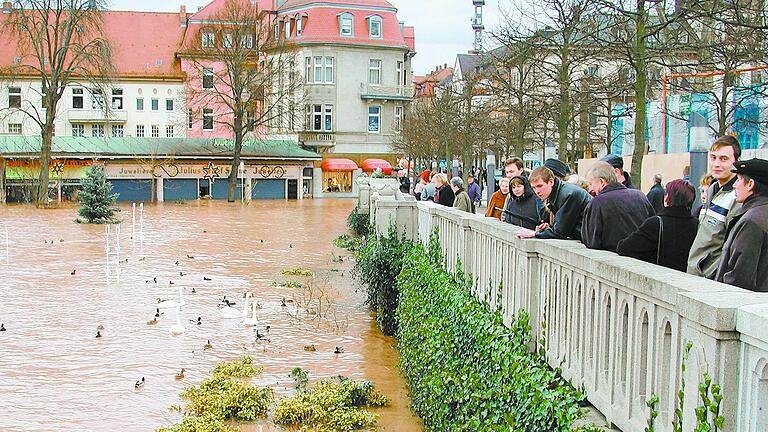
<point x="443" y="27"/>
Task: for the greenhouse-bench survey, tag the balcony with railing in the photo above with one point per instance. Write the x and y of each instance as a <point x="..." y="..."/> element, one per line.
<point x="317" y="139"/>
<point x="96" y="116"/>
<point x="377" y="92"/>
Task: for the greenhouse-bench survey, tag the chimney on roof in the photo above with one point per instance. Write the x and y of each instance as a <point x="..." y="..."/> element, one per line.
<point x="445" y="66"/>
<point x="7" y="7"/>
<point x="199" y="8"/>
<point x="183" y="16"/>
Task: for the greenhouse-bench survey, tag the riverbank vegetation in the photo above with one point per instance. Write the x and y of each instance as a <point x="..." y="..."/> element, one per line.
<point x="227" y="398"/>
<point x="466" y="370"/>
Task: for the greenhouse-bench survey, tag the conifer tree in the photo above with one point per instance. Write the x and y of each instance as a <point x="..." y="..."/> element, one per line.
<point x="96" y="198"/>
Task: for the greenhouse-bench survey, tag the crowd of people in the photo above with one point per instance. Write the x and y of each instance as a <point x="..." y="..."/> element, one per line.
<point x="724" y="238"/>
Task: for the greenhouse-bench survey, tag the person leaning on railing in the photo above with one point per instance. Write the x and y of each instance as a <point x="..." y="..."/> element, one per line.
<point x="563" y="207"/>
<point x="666" y="239"/>
<point x="744" y="262"/>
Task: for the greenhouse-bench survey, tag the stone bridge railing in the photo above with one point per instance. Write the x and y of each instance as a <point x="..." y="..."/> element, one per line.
<point x="614" y="325"/>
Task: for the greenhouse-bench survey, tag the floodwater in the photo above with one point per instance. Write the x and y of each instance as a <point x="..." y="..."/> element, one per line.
<point x="55" y="375"/>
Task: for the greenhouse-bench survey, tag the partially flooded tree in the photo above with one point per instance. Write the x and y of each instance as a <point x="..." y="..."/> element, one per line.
<point x="58" y="42"/>
<point x="246" y="78"/>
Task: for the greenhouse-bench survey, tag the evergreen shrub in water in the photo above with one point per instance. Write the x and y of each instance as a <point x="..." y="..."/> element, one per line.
<point x="377" y="265"/>
<point x="96" y="198"/>
<point x="359" y="223"/>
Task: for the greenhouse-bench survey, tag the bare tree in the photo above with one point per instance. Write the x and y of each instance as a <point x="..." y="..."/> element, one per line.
<point x="59" y="42"/>
<point x="256" y="85"/>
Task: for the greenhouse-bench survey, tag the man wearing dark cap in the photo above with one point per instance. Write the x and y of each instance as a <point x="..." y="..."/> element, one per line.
<point x="558" y="168"/>
<point x="617" y="162"/>
<point x="744" y="262"/>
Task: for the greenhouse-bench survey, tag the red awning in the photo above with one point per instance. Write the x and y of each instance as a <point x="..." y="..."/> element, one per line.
<point x="372" y="164"/>
<point x="338" y="164"/>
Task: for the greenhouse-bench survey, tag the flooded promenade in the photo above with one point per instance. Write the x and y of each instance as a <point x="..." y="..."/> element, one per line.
<point x="56" y="375"/>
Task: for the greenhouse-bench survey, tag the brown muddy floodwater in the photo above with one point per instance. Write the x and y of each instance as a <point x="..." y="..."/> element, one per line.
<point x="55" y="375"/>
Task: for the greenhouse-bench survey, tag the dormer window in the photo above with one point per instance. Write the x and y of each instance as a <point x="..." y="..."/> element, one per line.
<point x="374" y="26"/>
<point x="208" y="39"/>
<point x="299" y="26"/>
<point x="287" y="29"/>
<point x="346" y="24"/>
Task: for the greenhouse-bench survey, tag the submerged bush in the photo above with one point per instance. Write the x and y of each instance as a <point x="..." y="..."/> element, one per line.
<point x="377" y="265"/>
<point x="331" y="406"/>
<point x="297" y="272"/>
<point x="347" y="242"/>
<point x="242" y="368"/>
<point x="222" y="397"/>
<point x="466" y="370"/>
<point x="359" y="223"/>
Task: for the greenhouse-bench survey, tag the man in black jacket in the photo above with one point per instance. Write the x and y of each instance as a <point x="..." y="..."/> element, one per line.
<point x="614" y="213"/>
<point x="563" y="207"/>
<point x="656" y="194"/>
<point x="745" y="253"/>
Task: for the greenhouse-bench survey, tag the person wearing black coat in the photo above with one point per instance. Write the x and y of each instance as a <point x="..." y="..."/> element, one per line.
<point x="445" y="195"/>
<point x="562" y="209"/>
<point x="666" y="239"/>
<point x="614" y="213"/>
<point x="656" y="194"/>
<point x="521" y="207"/>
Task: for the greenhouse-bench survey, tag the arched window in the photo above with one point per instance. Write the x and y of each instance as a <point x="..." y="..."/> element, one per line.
<point x="374" y="27"/>
<point x="346" y="24"/>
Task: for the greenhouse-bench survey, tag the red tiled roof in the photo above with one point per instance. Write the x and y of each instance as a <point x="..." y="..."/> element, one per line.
<point x="409" y="34"/>
<point x="143" y="43"/>
<point x="376" y="3"/>
<point x="322" y="25"/>
<point x="214" y="8"/>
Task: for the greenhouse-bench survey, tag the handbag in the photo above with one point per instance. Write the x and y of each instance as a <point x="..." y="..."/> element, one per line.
<point x="658" y="245"/>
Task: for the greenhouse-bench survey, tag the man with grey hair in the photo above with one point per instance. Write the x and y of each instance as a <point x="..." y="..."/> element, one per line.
<point x="615" y="212"/>
<point x="462" y="201"/>
<point x="656" y="194"/>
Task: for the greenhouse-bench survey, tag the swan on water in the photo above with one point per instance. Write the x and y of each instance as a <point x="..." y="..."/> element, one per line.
<point x="168" y="304"/>
<point x="230" y="312"/>
<point x="177" y="328"/>
<point x="252" y="321"/>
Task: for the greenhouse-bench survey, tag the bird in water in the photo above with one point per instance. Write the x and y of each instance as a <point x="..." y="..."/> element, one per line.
<point x="100" y="327"/>
<point x="291" y="245"/>
<point x="193" y="290"/>
<point x="158" y="313"/>
<point x="338" y="350"/>
<point x="73" y="272"/>
<point x="310" y="348"/>
<point x="180" y="375"/>
<point x="153" y="321"/>
<point x="282" y="302"/>
<point x="2" y="327"/>
<point x="182" y="274"/>
<point x="155" y="279"/>
<point x="170" y="283"/>
<point x="207" y="345"/>
<point x="177" y="263"/>
<point x="98" y="333"/>
<point x="140" y="383"/>
<point x="205" y="278"/>
<point x="142" y="258"/>
<point x="198" y="321"/>
<point x="190" y="257"/>
<point x="262" y="240"/>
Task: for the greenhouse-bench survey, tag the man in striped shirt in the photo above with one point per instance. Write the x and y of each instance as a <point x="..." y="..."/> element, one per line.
<point x="704" y="258"/>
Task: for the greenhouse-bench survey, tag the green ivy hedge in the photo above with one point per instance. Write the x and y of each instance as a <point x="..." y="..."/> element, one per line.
<point x="359" y="223"/>
<point x="377" y="265"/>
<point x="467" y="371"/>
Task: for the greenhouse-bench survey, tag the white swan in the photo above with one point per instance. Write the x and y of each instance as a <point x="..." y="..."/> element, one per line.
<point x="168" y="304"/>
<point x="177" y="328"/>
<point x="230" y="312"/>
<point x="252" y="321"/>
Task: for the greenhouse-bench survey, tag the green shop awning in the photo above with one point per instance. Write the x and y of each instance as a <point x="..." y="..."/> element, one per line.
<point x="131" y="147"/>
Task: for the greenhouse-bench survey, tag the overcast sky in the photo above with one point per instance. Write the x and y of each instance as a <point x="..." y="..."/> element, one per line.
<point x="443" y="27"/>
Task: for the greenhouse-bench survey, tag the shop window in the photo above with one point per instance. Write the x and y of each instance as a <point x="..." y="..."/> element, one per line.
<point x="169" y="131"/>
<point x="155" y="131"/>
<point x="337" y="181"/>
<point x="140" y="131"/>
